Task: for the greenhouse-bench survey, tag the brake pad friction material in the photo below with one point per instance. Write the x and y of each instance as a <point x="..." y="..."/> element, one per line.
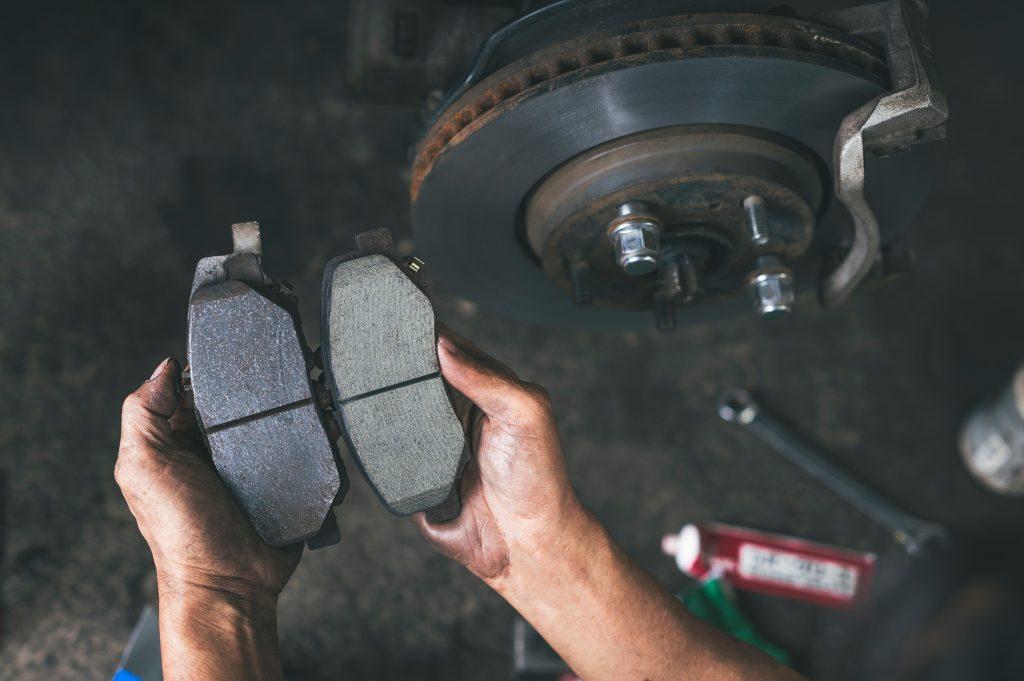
<point x="408" y="442"/>
<point x="254" y="400"/>
<point x="233" y="327"/>
<point x="380" y="358"/>
<point x="381" y="327"/>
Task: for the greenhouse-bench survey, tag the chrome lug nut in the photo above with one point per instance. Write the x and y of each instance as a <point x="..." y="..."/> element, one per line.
<point x="635" y="234"/>
<point x="771" y="286"/>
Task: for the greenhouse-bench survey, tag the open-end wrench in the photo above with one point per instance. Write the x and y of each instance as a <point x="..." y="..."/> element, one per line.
<point x="738" y="406"/>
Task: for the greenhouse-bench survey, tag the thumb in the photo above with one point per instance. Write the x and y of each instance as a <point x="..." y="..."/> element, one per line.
<point x="154" y="402"/>
<point x="487" y="383"/>
<point x="160" y="394"/>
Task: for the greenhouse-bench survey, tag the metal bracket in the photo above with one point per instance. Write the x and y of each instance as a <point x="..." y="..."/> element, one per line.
<point x="914" y="112"/>
<point x="247" y="251"/>
<point x="245" y="238"/>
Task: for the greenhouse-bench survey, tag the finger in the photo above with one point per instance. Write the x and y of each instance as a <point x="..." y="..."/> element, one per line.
<point x="430" y="532"/>
<point x="462" y="406"/>
<point x="146" y="412"/>
<point x="469" y="484"/>
<point x="161" y="394"/>
<point x="487" y="383"/>
<point x="470" y="348"/>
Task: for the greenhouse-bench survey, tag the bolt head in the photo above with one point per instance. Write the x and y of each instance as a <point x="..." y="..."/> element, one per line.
<point x="737" y="406"/>
<point x="636" y="245"/>
<point x="772" y="292"/>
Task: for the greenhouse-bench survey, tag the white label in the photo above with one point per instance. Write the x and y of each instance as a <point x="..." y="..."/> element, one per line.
<point x="801" y="572"/>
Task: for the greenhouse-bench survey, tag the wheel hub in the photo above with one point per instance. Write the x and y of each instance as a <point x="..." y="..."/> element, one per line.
<point x="694" y="179"/>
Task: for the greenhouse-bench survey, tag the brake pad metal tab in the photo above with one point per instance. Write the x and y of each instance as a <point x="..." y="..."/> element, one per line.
<point x="255" y="401"/>
<point x="380" y="362"/>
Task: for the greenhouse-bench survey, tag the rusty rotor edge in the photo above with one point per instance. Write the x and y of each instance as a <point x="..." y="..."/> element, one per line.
<point x="663" y="39"/>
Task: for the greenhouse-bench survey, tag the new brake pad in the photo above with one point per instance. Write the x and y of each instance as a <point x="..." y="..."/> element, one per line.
<point x="380" y="362"/>
<point x="255" y="402"/>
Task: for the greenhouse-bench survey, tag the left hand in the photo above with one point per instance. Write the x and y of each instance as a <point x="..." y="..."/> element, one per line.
<point x="198" y="536"/>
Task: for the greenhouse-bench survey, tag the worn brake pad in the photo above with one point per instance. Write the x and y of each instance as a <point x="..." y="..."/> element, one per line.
<point x="255" y="402"/>
<point x="380" y="362"/>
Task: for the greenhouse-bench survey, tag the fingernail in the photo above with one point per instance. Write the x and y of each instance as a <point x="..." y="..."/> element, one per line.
<point x="447" y="345"/>
<point x="159" y="369"/>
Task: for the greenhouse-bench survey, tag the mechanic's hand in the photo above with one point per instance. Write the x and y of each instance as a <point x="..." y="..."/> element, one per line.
<point x="515" y="490"/>
<point x="197" y="534"/>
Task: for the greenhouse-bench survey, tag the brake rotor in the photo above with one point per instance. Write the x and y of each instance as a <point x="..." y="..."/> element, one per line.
<point x="777" y="87"/>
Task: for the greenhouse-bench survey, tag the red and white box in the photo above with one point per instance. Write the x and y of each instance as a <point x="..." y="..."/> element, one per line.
<point x="773" y="564"/>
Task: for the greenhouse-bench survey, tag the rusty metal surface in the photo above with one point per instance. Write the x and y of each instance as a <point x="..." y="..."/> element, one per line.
<point x="655" y="40"/>
<point x="696" y="179"/>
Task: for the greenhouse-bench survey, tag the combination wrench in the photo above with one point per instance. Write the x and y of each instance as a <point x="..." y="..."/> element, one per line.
<point x="913" y="534"/>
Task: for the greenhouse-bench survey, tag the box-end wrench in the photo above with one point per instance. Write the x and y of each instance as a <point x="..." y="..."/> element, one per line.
<point x="738" y="406"/>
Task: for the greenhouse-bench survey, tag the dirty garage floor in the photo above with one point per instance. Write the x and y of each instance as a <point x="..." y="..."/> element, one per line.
<point x="131" y="136"/>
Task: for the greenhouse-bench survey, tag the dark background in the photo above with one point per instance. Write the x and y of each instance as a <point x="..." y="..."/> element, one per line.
<point x="132" y="135"/>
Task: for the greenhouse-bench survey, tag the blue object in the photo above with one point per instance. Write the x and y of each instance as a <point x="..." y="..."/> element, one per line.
<point x="140" y="660"/>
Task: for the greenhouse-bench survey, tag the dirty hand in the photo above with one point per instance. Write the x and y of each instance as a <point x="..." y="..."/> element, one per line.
<point x="198" y="536"/>
<point x="515" y="492"/>
<point x="524" y="532"/>
<point x="218" y="581"/>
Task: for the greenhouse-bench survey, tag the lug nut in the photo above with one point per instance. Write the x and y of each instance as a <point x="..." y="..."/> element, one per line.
<point x="636" y="234"/>
<point x="757" y="219"/>
<point x="771" y="286"/>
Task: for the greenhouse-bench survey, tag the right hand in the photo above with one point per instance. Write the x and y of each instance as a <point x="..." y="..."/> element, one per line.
<point x="524" y="532"/>
<point x="515" y="490"/>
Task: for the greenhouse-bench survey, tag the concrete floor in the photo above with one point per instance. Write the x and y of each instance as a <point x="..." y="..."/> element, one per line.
<point x="131" y="136"/>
